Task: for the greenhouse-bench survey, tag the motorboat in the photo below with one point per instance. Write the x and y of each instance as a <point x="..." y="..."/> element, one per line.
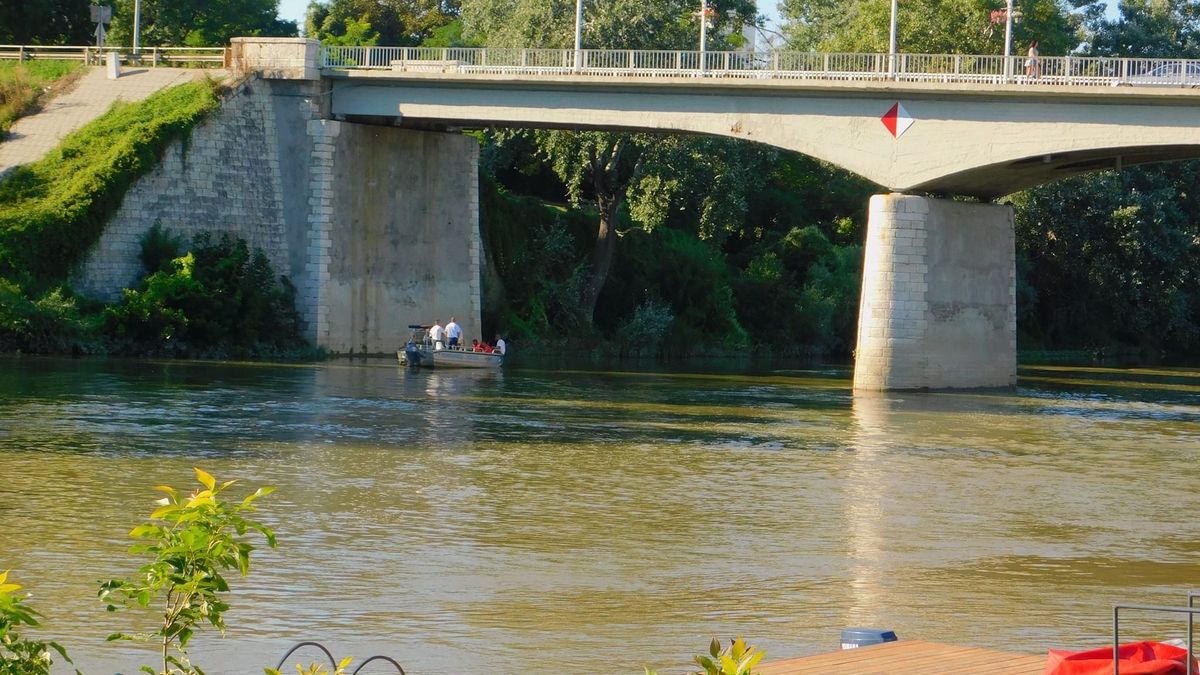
<point x="420" y="351"/>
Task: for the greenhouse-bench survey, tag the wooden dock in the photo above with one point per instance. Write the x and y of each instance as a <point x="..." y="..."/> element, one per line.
<point x="910" y="657"/>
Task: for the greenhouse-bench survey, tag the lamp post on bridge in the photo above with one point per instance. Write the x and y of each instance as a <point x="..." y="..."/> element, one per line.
<point x="137" y="20"/>
<point x="706" y="14"/>
<point x="578" y="34"/>
<point x="892" y="42"/>
<point x="1011" y="14"/>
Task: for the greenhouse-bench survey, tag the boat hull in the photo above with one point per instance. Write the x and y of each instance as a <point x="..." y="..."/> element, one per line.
<point x="449" y="358"/>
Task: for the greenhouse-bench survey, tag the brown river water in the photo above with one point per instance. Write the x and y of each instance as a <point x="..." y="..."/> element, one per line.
<point x="598" y="522"/>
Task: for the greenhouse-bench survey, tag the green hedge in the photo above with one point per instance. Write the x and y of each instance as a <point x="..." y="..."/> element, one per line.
<point x="53" y="211"/>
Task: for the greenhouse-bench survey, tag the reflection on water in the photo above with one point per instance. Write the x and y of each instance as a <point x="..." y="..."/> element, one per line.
<point x="482" y="522"/>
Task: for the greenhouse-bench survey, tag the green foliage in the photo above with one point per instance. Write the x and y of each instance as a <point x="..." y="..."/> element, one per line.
<point x="193" y="541"/>
<point x="220" y="299"/>
<point x="932" y="27"/>
<point x="50" y="324"/>
<point x="449" y="35"/>
<point x="1114" y="259"/>
<point x="646" y="329"/>
<point x="1142" y="29"/>
<point x="22" y="656"/>
<point x="354" y="33"/>
<point x="614" y="24"/>
<point x="686" y="276"/>
<point x="45" y="22"/>
<point x="197" y="23"/>
<point x="736" y="659"/>
<point x="53" y="211"/>
<point x="398" y="23"/>
<point x="536" y="254"/>
<point x="159" y="248"/>
<point x="802" y="292"/>
<point x="23" y="85"/>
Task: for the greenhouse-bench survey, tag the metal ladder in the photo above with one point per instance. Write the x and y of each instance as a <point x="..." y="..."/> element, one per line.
<point x="1191" y="611"/>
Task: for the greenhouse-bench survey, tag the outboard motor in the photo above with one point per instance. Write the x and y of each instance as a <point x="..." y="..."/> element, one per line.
<point x="412" y="355"/>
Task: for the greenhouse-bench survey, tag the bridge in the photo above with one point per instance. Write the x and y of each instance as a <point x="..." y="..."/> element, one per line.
<point x="938" y="301"/>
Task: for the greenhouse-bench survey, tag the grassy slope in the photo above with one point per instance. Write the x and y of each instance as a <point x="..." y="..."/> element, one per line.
<point x="53" y="211"/>
<point x="24" y="85"/>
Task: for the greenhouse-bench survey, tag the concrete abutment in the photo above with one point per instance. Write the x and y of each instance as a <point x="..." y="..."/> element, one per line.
<point x="377" y="227"/>
<point x="938" y="306"/>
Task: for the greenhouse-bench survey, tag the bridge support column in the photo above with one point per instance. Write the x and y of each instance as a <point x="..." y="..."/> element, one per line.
<point x="938" y="307"/>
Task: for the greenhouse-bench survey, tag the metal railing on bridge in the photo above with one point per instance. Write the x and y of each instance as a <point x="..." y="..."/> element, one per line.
<point x="204" y="57"/>
<point x="773" y="65"/>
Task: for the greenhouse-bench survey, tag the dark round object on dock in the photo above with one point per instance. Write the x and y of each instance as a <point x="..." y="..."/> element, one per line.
<point x="861" y="637"/>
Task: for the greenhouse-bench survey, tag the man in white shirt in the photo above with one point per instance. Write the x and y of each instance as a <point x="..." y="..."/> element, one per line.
<point x="435" y="334"/>
<point x="453" y="332"/>
<point x="500" y="346"/>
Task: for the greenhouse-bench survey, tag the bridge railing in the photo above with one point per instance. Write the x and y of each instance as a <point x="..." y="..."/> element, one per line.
<point x="211" y="57"/>
<point x="947" y="68"/>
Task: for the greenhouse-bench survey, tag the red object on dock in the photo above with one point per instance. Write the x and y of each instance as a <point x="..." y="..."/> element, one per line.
<point x="1135" y="658"/>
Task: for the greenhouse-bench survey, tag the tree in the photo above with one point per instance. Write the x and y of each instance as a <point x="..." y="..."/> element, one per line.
<point x="930" y="27"/>
<point x="198" y="23"/>
<point x="602" y="166"/>
<point x="401" y="23"/>
<point x="1113" y="259"/>
<point x="45" y="22"/>
<point x="1143" y="28"/>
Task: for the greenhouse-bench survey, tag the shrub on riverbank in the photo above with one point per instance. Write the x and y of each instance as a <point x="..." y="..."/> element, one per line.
<point x="49" y="324"/>
<point x="220" y="299"/>
<point x="23" y="86"/>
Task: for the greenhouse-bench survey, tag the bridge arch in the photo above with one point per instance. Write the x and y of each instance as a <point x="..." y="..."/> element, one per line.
<point x="982" y="141"/>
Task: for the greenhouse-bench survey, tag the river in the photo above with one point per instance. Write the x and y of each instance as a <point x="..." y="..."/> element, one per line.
<point x="585" y="522"/>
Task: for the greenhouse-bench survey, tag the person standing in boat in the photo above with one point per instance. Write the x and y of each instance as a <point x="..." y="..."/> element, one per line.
<point x="453" y="333"/>
<point x="435" y="334"/>
<point x="500" y="347"/>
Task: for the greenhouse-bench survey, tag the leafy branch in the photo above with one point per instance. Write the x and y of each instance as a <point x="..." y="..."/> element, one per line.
<point x="192" y="540"/>
<point x="20" y="656"/>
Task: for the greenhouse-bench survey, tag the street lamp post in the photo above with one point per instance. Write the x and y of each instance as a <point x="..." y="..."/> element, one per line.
<point x="1008" y="26"/>
<point x="705" y="14"/>
<point x="578" y="33"/>
<point x="137" y="20"/>
<point x="892" y="42"/>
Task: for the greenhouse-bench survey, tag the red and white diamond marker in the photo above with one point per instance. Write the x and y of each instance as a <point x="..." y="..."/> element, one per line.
<point x="897" y="120"/>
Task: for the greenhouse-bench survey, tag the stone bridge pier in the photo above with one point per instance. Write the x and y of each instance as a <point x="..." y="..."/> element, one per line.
<point x="938" y="306"/>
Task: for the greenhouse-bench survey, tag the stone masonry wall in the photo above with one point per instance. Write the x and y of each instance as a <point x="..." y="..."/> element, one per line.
<point x="377" y="227"/>
<point x="223" y="178"/>
<point x="938" y="307"/>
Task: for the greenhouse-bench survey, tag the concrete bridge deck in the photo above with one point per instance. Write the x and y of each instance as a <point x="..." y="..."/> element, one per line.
<point x="984" y="138"/>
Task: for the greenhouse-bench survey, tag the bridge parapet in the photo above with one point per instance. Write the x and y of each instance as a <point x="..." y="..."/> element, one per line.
<point x="772" y="65"/>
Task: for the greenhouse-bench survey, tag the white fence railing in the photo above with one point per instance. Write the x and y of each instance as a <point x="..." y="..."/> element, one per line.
<point x="210" y="57"/>
<point x="931" y="68"/>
